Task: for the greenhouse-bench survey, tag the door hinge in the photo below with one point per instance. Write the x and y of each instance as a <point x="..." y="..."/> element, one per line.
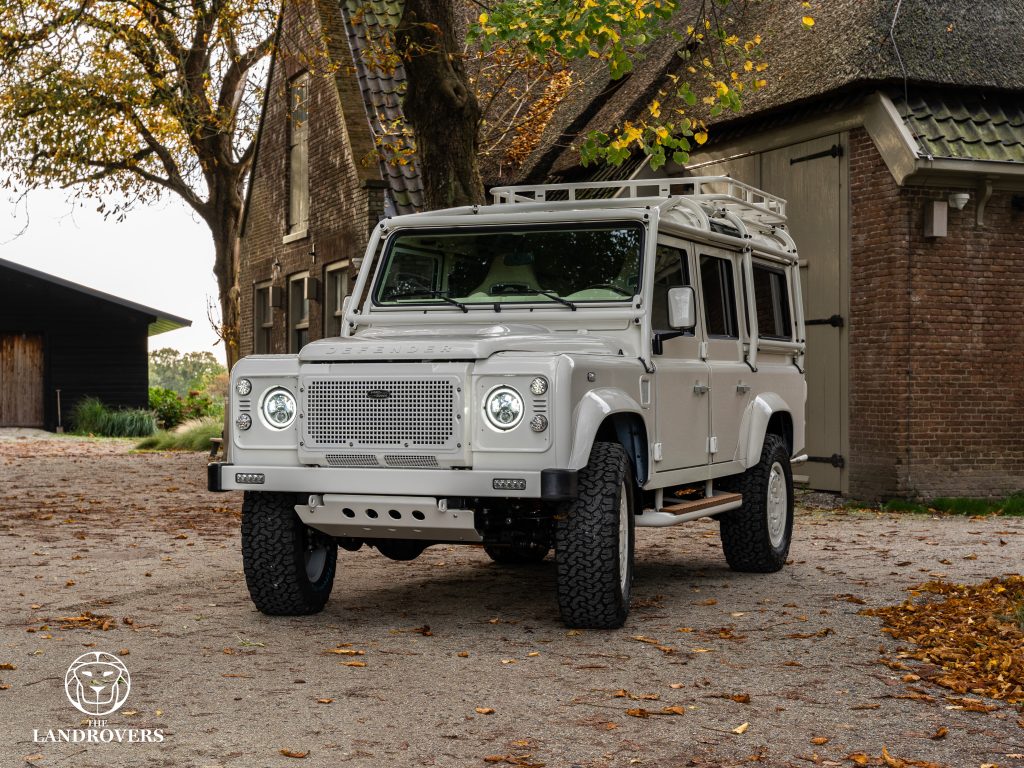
<point x="701" y="389"/>
<point x="836" y="321"/>
<point x="657" y="451"/>
<point x="836" y="150"/>
<point x="712" y="445"/>
<point x="835" y="460"/>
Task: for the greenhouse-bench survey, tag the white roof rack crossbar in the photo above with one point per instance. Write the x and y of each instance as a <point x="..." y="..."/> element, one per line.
<point x="722" y="191"/>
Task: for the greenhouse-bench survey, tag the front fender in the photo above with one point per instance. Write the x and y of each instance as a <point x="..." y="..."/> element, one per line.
<point x="594" y="407"/>
<point x="755" y="424"/>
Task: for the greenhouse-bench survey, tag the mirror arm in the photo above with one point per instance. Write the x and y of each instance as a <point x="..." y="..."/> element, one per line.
<point x="657" y="343"/>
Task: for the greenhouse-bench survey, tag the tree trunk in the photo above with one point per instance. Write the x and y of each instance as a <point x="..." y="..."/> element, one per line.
<point x="440" y="104"/>
<point x="223" y="222"/>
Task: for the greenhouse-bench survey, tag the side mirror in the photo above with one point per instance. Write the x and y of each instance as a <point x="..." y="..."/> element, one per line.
<point x="682" y="308"/>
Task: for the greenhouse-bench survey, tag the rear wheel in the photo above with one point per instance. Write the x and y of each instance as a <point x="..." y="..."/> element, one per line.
<point x="289" y="567"/>
<point x="594" y="542"/>
<point x="756" y="537"/>
<point x="517" y="554"/>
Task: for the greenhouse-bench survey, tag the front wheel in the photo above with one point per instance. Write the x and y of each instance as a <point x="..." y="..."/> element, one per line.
<point x="289" y="567"/>
<point x="756" y="537"/>
<point x="594" y="542"/>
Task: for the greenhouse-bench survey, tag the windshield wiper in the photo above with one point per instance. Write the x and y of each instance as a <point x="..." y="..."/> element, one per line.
<point x="442" y="295"/>
<point x="525" y="291"/>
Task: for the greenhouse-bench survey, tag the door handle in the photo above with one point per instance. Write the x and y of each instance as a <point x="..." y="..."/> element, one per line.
<point x="701" y="389"/>
<point x="742" y="388"/>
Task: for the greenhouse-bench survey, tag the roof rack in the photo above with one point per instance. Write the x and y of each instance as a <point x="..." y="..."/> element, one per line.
<point x="723" y="192"/>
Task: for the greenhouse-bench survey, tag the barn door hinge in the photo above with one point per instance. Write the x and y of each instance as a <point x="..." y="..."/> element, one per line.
<point x="835" y="460"/>
<point x="836" y="321"/>
<point x="836" y="150"/>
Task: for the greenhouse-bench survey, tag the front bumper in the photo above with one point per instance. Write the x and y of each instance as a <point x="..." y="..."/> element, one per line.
<point x="547" y="484"/>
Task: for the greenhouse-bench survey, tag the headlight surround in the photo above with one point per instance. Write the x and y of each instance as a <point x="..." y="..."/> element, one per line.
<point x="504" y="408"/>
<point x="278" y="408"/>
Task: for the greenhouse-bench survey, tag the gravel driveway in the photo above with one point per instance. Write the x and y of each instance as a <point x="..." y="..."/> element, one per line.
<point x="407" y="662"/>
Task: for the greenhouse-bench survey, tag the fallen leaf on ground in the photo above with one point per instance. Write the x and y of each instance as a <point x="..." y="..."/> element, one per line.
<point x="645" y="639"/>
<point x="325" y="701"/>
<point x="638" y="712"/>
<point x="971" y="705"/>
<point x="939" y="734"/>
<point x="622" y="693"/>
<point x="741" y="698"/>
<point x="807" y="635"/>
<point x="677" y="686"/>
<point x="7" y="665"/>
<point x="345" y="652"/>
<point x="462" y="654"/>
<point x="819" y="740"/>
<point x="484" y="710"/>
<point x="293" y="753"/>
<point x="533" y="653"/>
<point x="674" y="710"/>
<point x="741" y="729"/>
<point x="352" y="663"/>
<point x="967" y="632"/>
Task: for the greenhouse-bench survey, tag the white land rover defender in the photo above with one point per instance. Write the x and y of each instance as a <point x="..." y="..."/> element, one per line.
<point x="552" y="370"/>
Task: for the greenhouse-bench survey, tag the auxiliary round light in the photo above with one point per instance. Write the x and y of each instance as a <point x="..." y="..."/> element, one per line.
<point x="504" y="408"/>
<point x="243" y="387"/>
<point x="538" y="386"/>
<point x="279" y="408"/>
<point x="539" y="423"/>
<point x="244" y="421"/>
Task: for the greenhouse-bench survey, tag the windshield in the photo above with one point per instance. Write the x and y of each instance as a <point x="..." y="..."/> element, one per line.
<point x="491" y="265"/>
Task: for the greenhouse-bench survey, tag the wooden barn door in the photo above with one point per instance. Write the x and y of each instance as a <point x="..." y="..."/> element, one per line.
<point x="21" y="380"/>
<point x="812" y="176"/>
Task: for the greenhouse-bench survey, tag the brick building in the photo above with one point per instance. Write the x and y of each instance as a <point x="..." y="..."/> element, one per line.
<point x="898" y="139"/>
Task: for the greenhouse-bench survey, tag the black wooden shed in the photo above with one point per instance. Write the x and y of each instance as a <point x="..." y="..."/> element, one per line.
<point x="58" y="335"/>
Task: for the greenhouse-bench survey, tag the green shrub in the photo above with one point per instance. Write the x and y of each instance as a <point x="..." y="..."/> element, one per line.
<point x="190" y="436"/>
<point x="198" y="405"/>
<point x="964" y="506"/>
<point x="91" y="417"/>
<point x="168" y="407"/>
<point x="1014" y="505"/>
<point x="902" y="505"/>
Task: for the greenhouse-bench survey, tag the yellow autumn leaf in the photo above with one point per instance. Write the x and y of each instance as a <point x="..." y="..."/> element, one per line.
<point x="700" y="137"/>
<point x="741" y="729"/>
<point x="655" y="108"/>
<point x="808" y="21"/>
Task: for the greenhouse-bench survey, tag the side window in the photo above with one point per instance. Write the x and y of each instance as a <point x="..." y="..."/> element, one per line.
<point x="719" y="291"/>
<point x="298" y="154"/>
<point x="337" y="283"/>
<point x="298" y="312"/>
<point x="263" y="319"/>
<point x="771" y="296"/>
<point x="670" y="271"/>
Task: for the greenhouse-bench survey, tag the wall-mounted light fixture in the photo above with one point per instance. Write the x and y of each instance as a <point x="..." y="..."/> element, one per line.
<point x="958" y="200"/>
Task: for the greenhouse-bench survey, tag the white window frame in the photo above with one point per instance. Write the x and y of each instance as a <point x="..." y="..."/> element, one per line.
<point x="337" y="285"/>
<point x="298" y="319"/>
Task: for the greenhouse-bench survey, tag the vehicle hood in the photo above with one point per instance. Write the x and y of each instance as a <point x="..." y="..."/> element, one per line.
<point x="456" y="343"/>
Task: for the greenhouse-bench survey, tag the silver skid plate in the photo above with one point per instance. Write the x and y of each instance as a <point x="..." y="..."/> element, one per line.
<point x="387" y="517"/>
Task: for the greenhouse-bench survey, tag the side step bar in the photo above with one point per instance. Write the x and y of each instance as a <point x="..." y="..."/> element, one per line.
<point x="689" y="510"/>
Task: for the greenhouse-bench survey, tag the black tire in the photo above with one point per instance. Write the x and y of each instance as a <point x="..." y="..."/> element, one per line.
<point x="756" y="537"/>
<point x="402" y="550"/>
<point x="594" y="573"/>
<point x="289" y="567"/>
<point x="517" y="554"/>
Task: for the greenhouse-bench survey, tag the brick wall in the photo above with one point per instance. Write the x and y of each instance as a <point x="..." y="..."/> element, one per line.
<point x="346" y="193"/>
<point x="936" y="333"/>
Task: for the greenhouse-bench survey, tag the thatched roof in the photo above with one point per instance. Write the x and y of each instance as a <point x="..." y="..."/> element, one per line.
<point x="851" y="47"/>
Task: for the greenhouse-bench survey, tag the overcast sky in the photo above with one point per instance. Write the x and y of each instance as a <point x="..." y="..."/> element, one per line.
<point x="160" y="256"/>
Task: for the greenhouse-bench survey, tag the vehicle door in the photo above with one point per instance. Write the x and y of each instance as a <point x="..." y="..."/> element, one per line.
<point x="681" y="376"/>
<point x="724" y="325"/>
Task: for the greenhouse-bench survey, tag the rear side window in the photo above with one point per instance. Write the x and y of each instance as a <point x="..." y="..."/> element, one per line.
<point x="719" y="291"/>
<point x="771" y="296"/>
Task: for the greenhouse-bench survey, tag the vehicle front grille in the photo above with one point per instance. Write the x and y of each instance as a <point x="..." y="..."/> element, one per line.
<point x="379" y="413"/>
<point x="351" y="460"/>
<point x="411" y="462"/>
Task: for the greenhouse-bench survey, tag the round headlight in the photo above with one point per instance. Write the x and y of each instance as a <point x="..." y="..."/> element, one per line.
<point x="279" y="408"/>
<point x="504" y="408"/>
<point x="538" y="386"/>
<point x="244" y="421"/>
<point x="243" y="387"/>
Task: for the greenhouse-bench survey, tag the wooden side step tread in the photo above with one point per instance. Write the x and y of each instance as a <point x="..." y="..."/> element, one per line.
<point x="699" y="504"/>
